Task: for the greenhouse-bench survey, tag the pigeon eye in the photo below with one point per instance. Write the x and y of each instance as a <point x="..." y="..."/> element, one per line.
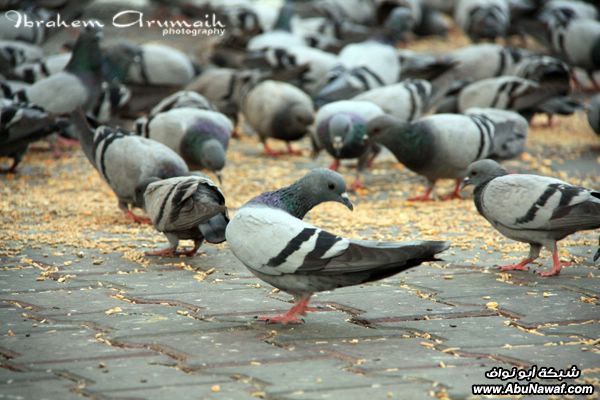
<point x="331" y="186"/>
<point x="474" y="173"/>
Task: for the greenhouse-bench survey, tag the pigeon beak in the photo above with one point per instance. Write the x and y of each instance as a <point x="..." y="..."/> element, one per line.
<point x="465" y="182"/>
<point x="219" y="178"/>
<point x="346" y="201"/>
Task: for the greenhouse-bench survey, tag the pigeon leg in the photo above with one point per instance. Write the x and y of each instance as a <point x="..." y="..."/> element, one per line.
<point x="136" y="218"/>
<point x="13" y="168"/>
<point x="534" y="252"/>
<point x="166" y="252"/>
<point x="290" y="317"/>
<point x="192" y="252"/>
<point x="424" y="197"/>
<point x="292" y="151"/>
<point x="455" y="194"/>
<point x="522" y="266"/>
<point x="357" y="184"/>
<point x="335" y="165"/>
<point x="270" y="152"/>
<point x="556" y="264"/>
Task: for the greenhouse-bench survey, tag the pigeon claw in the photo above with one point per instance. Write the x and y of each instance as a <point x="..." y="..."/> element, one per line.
<point x="513" y="267"/>
<point x="137" y="218"/>
<point x="167" y="252"/>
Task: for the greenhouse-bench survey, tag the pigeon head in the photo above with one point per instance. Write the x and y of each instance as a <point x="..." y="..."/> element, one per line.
<point x="119" y="58"/>
<point x="293" y="122"/>
<point x="346" y="130"/>
<point x="322" y="185"/>
<point x="399" y="21"/>
<point x="212" y="155"/>
<point x="482" y="171"/>
<point x="87" y="56"/>
<point x="203" y="145"/>
<point x="384" y="126"/>
<point x="318" y="186"/>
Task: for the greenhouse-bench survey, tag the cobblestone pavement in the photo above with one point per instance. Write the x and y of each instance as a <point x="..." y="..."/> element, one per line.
<point x="84" y="315"/>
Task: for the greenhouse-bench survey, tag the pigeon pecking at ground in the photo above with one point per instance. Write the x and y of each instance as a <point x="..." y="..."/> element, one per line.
<point x="440" y="146"/>
<point x="268" y="236"/>
<point x="127" y="162"/>
<point x="190" y="207"/>
<point x="532" y="209"/>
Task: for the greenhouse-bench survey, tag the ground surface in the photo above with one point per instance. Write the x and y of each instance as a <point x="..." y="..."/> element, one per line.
<point x="83" y="313"/>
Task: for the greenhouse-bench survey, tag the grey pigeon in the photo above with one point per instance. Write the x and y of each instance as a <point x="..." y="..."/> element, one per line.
<point x="127" y="162"/>
<point x="161" y="65"/>
<point x="226" y="87"/>
<point x="593" y="114"/>
<point x="440" y="146"/>
<point x="342" y="132"/>
<point x="79" y="84"/>
<point x="310" y="65"/>
<point x="510" y="133"/>
<point x="14" y="53"/>
<point x="532" y="209"/>
<point x="278" y="110"/>
<point x="407" y="100"/>
<point x="506" y="92"/>
<point x="186" y="208"/>
<point x="201" y="137"/>
<point x="362" y="66"/>
<point x="483" y="19"/>
<point x="268" y="236"/>
<point x="180" y="99"/>
<point x="21" y="124"/>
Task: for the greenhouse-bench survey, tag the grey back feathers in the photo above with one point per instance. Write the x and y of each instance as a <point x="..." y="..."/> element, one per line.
<point x="278" y="110"/>
<point x="510" y="131"/>
<point x="125" y="160"/>
<point x="183" y="203"/>
<point x="407" y="100"/>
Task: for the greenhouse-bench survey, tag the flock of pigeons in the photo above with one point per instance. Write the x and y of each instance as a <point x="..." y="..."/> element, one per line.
<point x="330" y="70"/>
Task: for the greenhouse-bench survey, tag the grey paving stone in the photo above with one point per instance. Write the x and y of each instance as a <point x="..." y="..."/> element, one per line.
<point x="40" y="390"/>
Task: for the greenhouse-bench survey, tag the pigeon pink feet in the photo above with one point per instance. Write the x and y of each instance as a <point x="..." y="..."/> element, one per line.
<point x="291" y="317"/>
<point x="136" y="218"/>
<point x="522" y="266"/>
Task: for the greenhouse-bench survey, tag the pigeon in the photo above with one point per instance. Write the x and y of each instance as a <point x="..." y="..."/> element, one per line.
<point x="417" y="65"/>
<point x="505" y="92"/>
<point x="127" y="162"/>
<point x="113" y="97"/>
<point x="80" y="82"/>
<point x="593" y="114"/>
<point x="190" y="207"/>
<point x="437" y="147"/>
<point x="578" y="43"/>
<point x="510" y="133"/>
<point x="161" y="65"/>
<point x="226" y="87"/>
<point x="268" y="236"/>
<point x="35" y="71"/>
<point x="533" y="209"/>
<point x="342" y="131"/>
<point x="278" y="110"/>
<point x="182" y="98"/>
<point x="483" y="19"/>
<point x="21" y="124"/>
<point x="14" y="53"/>
<point x="201" y="137"/>
<point x="292" y="59"/>
<point x="362" y="66"/>
<point x="407" y="100"/>
<point x="480" y="61"/>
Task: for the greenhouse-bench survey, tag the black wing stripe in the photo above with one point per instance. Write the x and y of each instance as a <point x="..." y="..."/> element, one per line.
<point x="292" y="246"/>
<point x="541" y="202"/>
